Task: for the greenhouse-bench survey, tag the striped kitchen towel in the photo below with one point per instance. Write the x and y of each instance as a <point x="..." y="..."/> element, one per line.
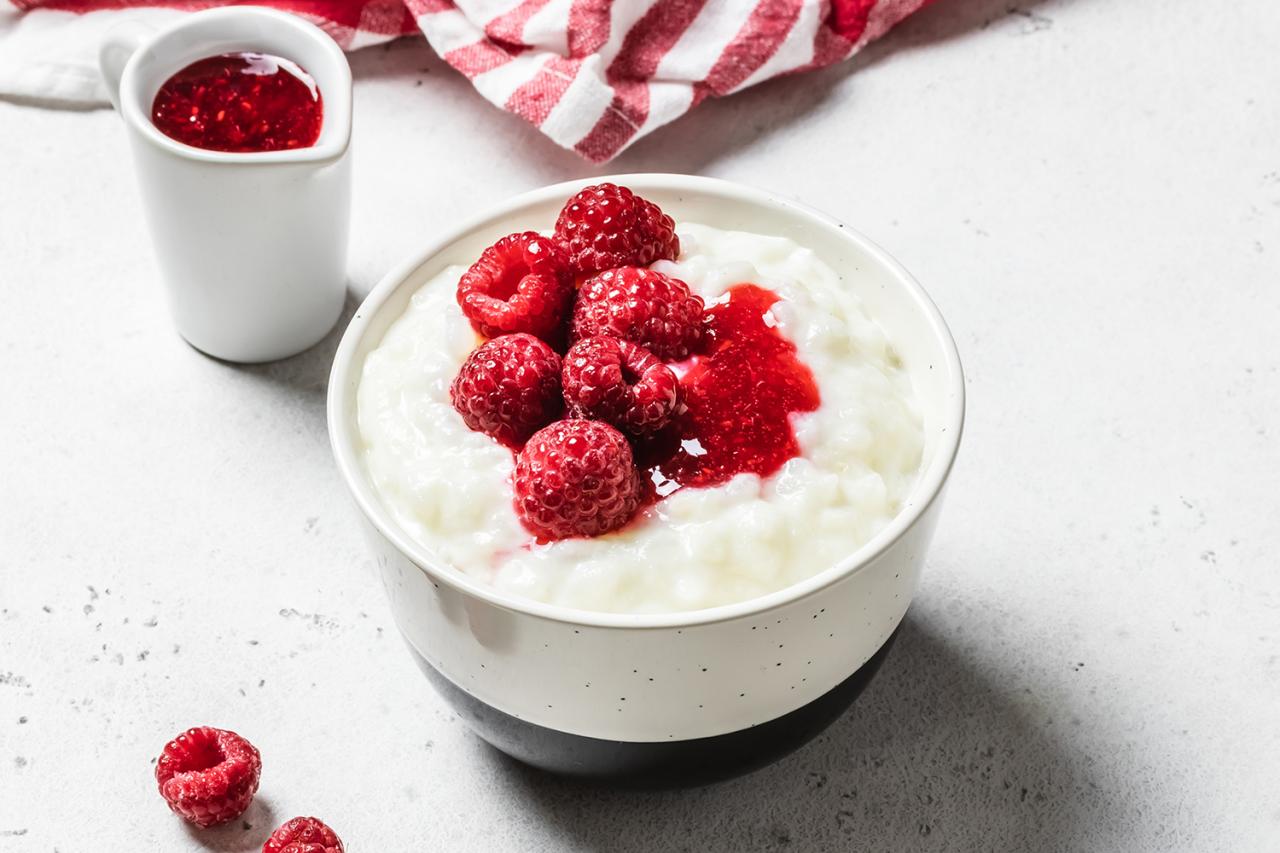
<point x="593" y="75"/>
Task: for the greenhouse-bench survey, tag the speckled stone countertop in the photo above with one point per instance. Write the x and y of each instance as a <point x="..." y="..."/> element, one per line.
<point x="1091" y="192"/>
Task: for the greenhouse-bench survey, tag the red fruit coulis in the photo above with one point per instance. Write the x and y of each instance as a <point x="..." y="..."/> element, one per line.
<point x="240" y="102"/>
<point x="741" y="392"/>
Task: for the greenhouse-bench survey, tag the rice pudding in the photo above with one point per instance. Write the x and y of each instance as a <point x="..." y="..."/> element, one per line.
<point x="859" y="452"/>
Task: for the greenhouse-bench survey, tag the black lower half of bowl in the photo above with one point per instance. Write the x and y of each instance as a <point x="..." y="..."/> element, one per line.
<point x="662" y="764"/>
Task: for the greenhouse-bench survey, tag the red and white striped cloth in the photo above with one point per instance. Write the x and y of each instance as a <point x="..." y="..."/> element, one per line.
<point x="593" y="75"/>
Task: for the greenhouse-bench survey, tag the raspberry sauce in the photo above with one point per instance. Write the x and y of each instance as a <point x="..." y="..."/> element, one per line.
<point x="740" y="394"/>
<point x="240" y="102"/>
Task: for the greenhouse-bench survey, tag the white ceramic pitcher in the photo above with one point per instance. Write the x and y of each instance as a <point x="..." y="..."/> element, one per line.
<point x="252" y="247"/>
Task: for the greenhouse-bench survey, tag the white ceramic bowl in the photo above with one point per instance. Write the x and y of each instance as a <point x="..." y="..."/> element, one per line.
<point x="667" y="698"/>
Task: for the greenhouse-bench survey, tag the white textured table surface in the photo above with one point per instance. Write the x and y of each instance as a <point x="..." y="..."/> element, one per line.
<point x="1090" y="190"/>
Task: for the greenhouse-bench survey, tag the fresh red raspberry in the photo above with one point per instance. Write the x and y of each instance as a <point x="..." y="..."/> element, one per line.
<point x="645" y="307"/>
<point x="303" y="835"/>
<point x="509" y="388"/>
<point x="522" y="283"/>
<point x="576" y="478"/>
<point x="208" y="776"/>
<point x="608" y="226"/>
<point x="621" y="383"/>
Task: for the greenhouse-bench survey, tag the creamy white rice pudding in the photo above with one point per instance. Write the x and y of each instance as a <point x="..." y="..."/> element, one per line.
<point x="859" y="452"/>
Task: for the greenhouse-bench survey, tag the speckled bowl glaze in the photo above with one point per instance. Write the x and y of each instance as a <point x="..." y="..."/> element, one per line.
<point x="679" y="698"/>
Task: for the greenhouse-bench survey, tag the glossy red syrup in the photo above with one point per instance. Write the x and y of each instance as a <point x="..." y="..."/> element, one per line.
<point x="240" y="102"/>
<point x="740" y="393"/>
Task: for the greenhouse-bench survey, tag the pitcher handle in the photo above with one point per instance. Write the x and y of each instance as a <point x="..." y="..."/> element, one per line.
<point x="119" y="45"/>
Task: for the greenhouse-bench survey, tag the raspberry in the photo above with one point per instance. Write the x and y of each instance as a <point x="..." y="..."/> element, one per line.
<point x="576" y="478"/>
<point x="208" y="776"/>
<point x="508" y="388"/>
<point x="620" y="383"/>
<point x="521" y="283"/>
<point x="608" y="226"/>
<point x="645" y="307"/>
<point x="303" y="835"/>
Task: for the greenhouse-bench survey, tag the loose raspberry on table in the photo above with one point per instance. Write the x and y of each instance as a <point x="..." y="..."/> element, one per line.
<point x="642" y="306"/>
<point x="303" y="835"/>
<point x="509" y="388"/>
<point x="621" y="383"/>
<point x="607" y="226"/>
<point x="208" y="776"/>
<point x="522" y="283"/>
<point x="576" y="478"/>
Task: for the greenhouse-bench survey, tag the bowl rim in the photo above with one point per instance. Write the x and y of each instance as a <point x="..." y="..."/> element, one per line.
<point x="344" y="443"/>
